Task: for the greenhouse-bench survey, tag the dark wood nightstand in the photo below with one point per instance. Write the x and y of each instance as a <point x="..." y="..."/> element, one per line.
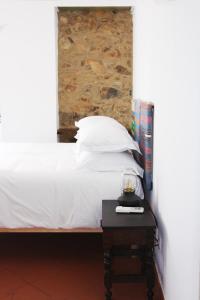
<point x="128" y="235"/>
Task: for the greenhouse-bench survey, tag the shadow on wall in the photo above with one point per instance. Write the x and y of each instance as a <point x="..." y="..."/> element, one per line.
<point x="2" y="27"/>
<point x="161" y="235"/>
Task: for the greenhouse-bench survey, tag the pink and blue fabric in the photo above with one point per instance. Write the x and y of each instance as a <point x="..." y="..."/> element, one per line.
<point x="142" y="128"/>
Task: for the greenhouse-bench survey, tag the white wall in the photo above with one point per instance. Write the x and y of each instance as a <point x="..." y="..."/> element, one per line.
<point x="167" y="72"/>
<point x="28" y="89"/>
<point x="28" y="67"/>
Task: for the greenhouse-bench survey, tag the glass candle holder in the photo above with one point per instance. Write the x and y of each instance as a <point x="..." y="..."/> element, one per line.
<point x="128" y="181"/>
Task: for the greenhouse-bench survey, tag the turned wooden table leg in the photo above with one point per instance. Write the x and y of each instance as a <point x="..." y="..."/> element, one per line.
<point x="150" y="273"/>
<point x="143" y="262"/>
<point x="108" y="274"/>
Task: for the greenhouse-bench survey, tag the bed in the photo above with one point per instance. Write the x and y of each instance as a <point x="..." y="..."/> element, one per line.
<point x="41" y="189"/>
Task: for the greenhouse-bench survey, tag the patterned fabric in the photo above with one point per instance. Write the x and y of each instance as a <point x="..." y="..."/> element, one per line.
<point x="142" y="129"/>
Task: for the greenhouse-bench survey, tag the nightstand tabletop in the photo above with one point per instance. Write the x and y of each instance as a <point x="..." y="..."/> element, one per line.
<point x="111" y="219"/>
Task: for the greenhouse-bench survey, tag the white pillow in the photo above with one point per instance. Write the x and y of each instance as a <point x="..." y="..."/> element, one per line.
<point x="103" y="136"/>
<point x="97" y="120"/>
<point x="108" y="162"/>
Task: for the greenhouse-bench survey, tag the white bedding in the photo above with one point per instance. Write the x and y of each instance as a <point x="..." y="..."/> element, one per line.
<point x="41" y="187"/>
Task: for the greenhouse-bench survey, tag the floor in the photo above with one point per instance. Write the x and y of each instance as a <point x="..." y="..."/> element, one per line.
<point x="58" y="267"/>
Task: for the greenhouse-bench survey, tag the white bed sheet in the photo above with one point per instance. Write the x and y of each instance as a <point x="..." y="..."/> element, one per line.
<point x="41" y="187"/>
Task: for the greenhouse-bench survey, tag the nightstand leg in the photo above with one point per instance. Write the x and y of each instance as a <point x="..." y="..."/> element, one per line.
<point x="150" y="274"/>
<point x="107" y="274"/>
<point x="143" y="262"/>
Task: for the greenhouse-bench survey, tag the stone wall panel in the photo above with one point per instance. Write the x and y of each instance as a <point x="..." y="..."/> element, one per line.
<point x="94" y="64"/>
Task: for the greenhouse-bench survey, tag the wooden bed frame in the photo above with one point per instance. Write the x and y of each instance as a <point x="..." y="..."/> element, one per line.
<point x="49" y="230"/>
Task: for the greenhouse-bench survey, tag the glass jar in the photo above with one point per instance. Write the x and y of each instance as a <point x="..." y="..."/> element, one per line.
<point x="128" y="181"/>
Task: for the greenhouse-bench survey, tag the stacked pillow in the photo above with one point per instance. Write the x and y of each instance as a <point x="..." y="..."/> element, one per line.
<point x="103" y="145"/>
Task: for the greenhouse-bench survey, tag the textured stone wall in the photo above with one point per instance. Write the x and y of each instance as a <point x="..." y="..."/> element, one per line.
<point x="94" y="64"/>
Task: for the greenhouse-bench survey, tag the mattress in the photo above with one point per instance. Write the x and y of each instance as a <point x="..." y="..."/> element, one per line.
<point x="40" y="186"/>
